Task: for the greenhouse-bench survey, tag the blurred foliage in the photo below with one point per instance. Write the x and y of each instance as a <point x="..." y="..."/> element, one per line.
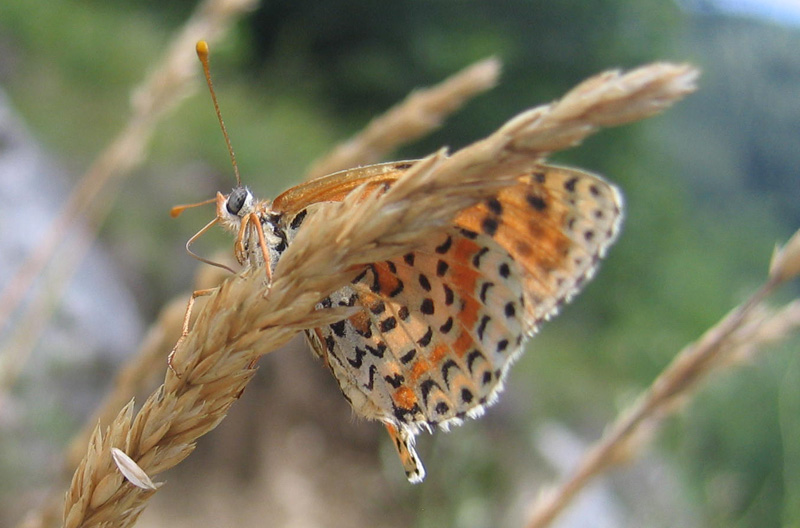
<point x="710" y="187"/>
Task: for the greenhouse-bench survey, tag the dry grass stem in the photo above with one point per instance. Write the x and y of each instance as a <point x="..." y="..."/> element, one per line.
<point x="167" y="85"/>
<point x="240" y="322"/>
<point x="785" y="264"/>
<point x="765" y="327"/>
<point x="420" y="113"/>
<point x="736" y="338"/>
<point x="609" y="99"/>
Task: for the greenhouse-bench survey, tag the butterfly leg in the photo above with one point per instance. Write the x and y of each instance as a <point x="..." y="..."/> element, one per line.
<point x="404" y="443"/>
<point x="185" y="328"/>
<point x="238" y="246"/>
<point x="262" y="243"/>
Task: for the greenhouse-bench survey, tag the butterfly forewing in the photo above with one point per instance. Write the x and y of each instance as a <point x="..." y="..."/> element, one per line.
<point x="335" y="187"/>
<point x="556" y="223"/>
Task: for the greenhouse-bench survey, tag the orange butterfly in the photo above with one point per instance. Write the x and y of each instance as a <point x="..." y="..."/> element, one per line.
<point x="437" y="328"/>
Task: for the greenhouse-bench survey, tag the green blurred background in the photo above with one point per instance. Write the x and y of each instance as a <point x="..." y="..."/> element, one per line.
<point x="710" y="186"/>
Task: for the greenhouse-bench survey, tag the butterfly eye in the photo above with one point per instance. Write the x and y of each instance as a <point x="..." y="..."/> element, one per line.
<point x="236" y="200"/>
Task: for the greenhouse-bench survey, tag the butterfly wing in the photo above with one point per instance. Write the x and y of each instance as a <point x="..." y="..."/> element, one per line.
<point x="432" y="341"/>
<point x="335" y="187"/>
<point x="556" y="223"/>
<point x="439" y="327"/>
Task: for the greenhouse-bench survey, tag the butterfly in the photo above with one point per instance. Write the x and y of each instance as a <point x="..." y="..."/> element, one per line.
<point x="435" y="330"/>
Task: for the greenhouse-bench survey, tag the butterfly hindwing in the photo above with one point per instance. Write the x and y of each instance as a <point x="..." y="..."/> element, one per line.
<point x="435" y="334"/>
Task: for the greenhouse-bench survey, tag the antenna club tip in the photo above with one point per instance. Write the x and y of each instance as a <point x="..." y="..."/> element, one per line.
<point x="176" y="211"/>
<point x="202" y="48"/>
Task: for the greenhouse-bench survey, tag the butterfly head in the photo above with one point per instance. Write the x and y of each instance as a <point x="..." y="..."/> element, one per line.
<point x="234" y="207"/>
<point x="259" y="236"/>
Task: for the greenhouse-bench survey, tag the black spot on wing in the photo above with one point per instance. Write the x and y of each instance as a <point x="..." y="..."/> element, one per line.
<point x="427" y="306"/>
<point x="494" y="205"/>
<point x="489" y="225"/>
<point x="468" y="233"/>
<point x="425" y="389"/>
<point x="504" y="270"/>
<point x="484" y="290"/>
<point x="398" y="289"/>
<point x="395" y="381"/>
<point x="472" y="357"/>
<point x="424" y="282"/>
<point x="377" y="351"/>
<point x="449" y="364"/>
<point x="447" y="326"/>
<point x="482" y="326"/>
<point x="297" y="221"/>
<point x="537" y="202"/>
<point x="370" y="384"/>
<point x="476" y="259"/>
<point x="338" y="328"/>
<point x="388" y="324"/>
<point x="445" y="246"/>
<point x="359" y="359"/>
<point x="426" y="339"/>
<point x="403" y="313"/>
<point x="408" y="356"/>
<point x="449" y="296"/>
<point x="360" y="277"/>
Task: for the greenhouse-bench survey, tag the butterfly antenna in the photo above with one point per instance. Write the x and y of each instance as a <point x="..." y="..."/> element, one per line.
<point x="178" y="209"/>
<point x="202" y="54"/>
